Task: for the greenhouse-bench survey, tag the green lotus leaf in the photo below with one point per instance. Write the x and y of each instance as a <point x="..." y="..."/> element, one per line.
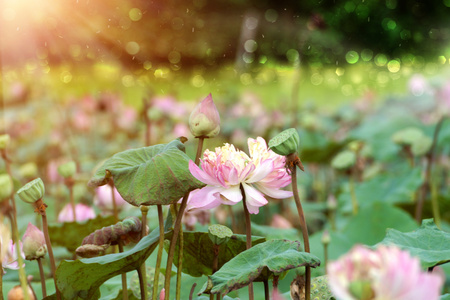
<point x="428" y="243"/>
<point x="152" y="175"/>
<point x="258" y="264"/>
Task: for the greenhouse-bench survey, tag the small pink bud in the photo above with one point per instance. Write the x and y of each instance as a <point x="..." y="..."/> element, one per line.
<point x="204" y="120"/>
<point x="83" y="212"/>
<point x="103" y="199"/>
<point x="162" y="295"/>
<point x="34" y="245"/>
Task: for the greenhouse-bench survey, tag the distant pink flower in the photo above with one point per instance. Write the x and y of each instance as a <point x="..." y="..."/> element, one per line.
<point x="8" y="251"/>
<point x="127" y="118"/>
<point x="387" y="273"/>
<point x="263" y="173"/>
<point x="169" y="106"/>
<point x="103" y="199"/>
<point x="418" y="85"/>
<point x="83" y="213"/>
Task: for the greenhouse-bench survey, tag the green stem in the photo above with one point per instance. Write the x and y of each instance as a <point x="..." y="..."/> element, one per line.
<point x="180" y="264"/>
<point x="325" y="254"/>
<point x="353" y="195"/>
<point x="435" y="204"/>
<point x="50" y="250"/>
<point x="143" y="270"/>
<point x="248" y="232"/>
<point x="142" y="283"/>
<point x="15" y="231"/>
<point x="304" y="229"/>
<point x="41" y="273"/>
<point x="160" y="251"/>
<point x="72" y="200"/>
<point x="124" y="277"/>
<point x="177" y="226"/>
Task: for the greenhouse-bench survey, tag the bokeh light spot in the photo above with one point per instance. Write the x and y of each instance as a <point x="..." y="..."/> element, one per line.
<point x="135" y="14"/>
<point x="174" y="57"/>
<point x="271" y="15"/>
<point x="250" y="45"/>
<point x="352" y="57"/>
<point x="366" y="54"/>
<point x="147" y="65"/>
<point x="380" y="60"/>
<point x="442" y="59"/>
<point x="246" y="79"/>
<point x="198" y="81"/>
<point x="66" y="76"/>
<point x="316" y="79"/>
<point x="292" y="55"/>
<point x="393" y="66"/>
<point x="132" y="48"/>
<point x="128" y="81"/>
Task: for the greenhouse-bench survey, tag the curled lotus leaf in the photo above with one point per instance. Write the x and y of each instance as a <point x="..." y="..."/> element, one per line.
<point x="152" y="175"/>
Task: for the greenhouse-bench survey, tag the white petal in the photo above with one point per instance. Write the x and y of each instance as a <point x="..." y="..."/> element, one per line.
<point x="232" y="194"/>
<point x="261" y="171"/>
<point x="273" y="192"/>
<point x="205" y="198"/>
<point x="254" y="199"/>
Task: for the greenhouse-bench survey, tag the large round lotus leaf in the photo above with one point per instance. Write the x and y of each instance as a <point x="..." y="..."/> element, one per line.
<point x="421" y="146"/>
<point x="407" y="136"/>
<point x="152" y="175"/>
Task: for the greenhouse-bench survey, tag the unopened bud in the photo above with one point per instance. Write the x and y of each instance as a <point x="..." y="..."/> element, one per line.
<point x="4" y="141"/>
<point x="326" y="238"/>
<point x="6" y="187"/>
<point x="286" y="142"/>
<point x="34" y="245"/>
<point x="32" y="191"/>
<point x="68" y="169"/>
<point x="204" y="120"/>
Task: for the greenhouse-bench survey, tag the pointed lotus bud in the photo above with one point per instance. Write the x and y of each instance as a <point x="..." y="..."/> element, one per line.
<point x="32" y="191"/>
<point x="219" y="234"/>
<point x="286" y="142"/>
<point x="326" y="238"/>
<point x="6" y="187"/>
<point x="4" y="141"/>
<point x="68" y="169"/>
<point x="34" y="245"/>
<point x="204" y="120"/>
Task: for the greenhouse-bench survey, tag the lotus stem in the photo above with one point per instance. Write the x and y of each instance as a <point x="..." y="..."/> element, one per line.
<point x="15" y="231"/>
<point x="160" y="251"/>
<point x="142" y="282"/>
<point x="191" y="294"/>
<point x="325" y="255"/>
<point x="180" y="264"/>
<point x="215" y="266"/>
<point x="233" y="219"/>
<point x="177" y="226"/>
<point x="69" y="184"/>
<point x="353" y="195"/>
<point x="143" y="272"/>
<point x="40" y="207"/>
<point x="266" y="289"/>
<point x="248" y="232"/>
<point x="113" y="197"/>
<point x="124" y="276"/>
<point x="435" y="204"/>
<point x="41" y="273"/>
<point x="147" y="122"/>
<point x="303" y="226"/>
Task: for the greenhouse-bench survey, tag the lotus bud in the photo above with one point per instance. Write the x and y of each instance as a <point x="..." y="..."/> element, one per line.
<point x="285" y="143"/>
<point x="32" y="191"/>
<point x="344" y="160"/>
<point x="34" y="245"/>
<point x="326" y="238"/>
<point x="219" y="234"/>
<point x="16" y="293"/>
<point x="162" y="295"/>
<point x="6" y="186"/>
<point x="204" y="120"/>
<point x="68" y="169"/>
<point x="4" y="141"/>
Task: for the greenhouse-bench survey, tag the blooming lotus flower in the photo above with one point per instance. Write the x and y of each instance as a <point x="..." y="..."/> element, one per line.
<point x="82" y="211"/>
<point x="226" y="169"/>
<point x="34" y="245"/>
<point x="387" y="273"/>
<point x="103" y="198"/>
<point x="204" y="120"/>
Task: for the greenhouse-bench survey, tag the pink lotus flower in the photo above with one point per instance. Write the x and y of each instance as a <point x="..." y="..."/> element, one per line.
<point x="8" y="251"/>
<point x="204" y="120"/>
<point x="34" y="245"/>
<point x="226" y="169"/>
<point x="83" y="213"/>
<point x="387" y="273"/>
<point x="103" y="199"/>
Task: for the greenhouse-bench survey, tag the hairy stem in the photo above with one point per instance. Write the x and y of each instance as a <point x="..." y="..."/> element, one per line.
<point x="41" y="273"/>
<point x="177" y="226"/>
<point x="248" y="232"/>
<point x="304" y="229"/>
<point x="124" y="277"/>
<point x="160" y="251"/>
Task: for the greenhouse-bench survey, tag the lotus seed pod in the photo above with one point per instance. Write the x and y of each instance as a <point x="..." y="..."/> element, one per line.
<point x="150" y="279"/>
<point x="34" y="246"/>
<point x="407" y="136"/>
<point x="326" y="238"/>
<point x="320" y="289"/>
<point x="204" y="120"/>
<point x="355" y="146"/>
<point x="286" y="142"/>
<point x="32" y="191"/>
<point x="219" y="234"/>
<point x="68" y="169"/>
<point x="421" y="146"/>
<point x="4" y="141"/>
<point x="6" y="187"/>
<point x="344" y="160"/>
<point x="16" y="293"/>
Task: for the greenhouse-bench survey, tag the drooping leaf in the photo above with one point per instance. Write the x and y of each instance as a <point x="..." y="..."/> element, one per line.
<point x="71" y="234"/>
<point x="198" y="251"/>
<point x="152" y="175"/>
<point x="428" y="243"/>
<point x="82" y="278"/>
<point x="257" y="264"/>
<point x="390" y="188"/>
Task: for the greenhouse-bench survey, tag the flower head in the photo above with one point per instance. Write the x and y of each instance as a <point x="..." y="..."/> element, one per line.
<point x="227" y="169"/>
<point x="34" y="245"/>
<point x="387" y="273"/>
<point x="204" y="119"/>
<point x="32" y="191"/>
<point x="83" y="212"/>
